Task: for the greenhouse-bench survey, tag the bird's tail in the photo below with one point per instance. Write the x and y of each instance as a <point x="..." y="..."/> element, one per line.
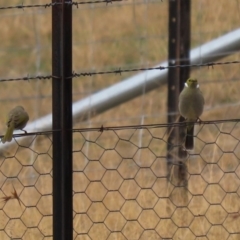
<point x="189" y="142"/>
<point x="8" y="136"/>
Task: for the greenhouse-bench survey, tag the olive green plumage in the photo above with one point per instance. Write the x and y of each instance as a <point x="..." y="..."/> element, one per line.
<point x="17" y="119"/>
<point x="191" y="103"/>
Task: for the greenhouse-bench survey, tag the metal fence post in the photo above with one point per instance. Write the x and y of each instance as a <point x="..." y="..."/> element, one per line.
<point x="178" y="54"/>
<point x="62" y="120"/>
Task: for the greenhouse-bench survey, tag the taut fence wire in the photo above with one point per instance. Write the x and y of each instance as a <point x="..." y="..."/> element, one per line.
<point x="118" y="71"/>
<point x="47" y="5"/>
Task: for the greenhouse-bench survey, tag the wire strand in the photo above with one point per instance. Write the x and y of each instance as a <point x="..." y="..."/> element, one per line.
<point x="22" y="6"/>
<point x="118" y="71"/>
<point x="127" y="127"/>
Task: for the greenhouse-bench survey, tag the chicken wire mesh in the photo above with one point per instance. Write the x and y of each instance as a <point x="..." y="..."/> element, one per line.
<point x="123" y="188"/>
<point x="26" y="189"/>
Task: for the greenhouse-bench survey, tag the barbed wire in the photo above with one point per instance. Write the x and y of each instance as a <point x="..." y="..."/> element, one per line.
<point x="118" y="71"/>
<point x="150" y="126"/>
<point x="135" y="127"/>
<point x="30" y="6"/>
<point x="46" y="5"/>
<point x="28" y="78"/>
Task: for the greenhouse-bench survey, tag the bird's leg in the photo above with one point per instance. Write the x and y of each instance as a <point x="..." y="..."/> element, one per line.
<point x="24" y="131"/>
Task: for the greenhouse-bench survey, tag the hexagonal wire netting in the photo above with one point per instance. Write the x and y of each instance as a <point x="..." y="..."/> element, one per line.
<point x="26" y="189"/>
<point x="122" y="188"/>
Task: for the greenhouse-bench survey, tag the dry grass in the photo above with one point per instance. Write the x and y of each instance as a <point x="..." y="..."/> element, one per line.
<point x="119" y="35"/>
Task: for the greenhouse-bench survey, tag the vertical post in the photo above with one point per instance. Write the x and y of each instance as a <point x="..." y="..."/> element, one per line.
<point x="174" y="23"/>
<point x="178" y="53"/>
<point x="185" y="44"/>
<point x="173" y="75"/>
<point x="62" y="120"/>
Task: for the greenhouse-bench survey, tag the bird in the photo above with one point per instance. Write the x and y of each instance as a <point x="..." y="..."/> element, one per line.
<point x="17" y="119"/>
<point x="191" y="104"/>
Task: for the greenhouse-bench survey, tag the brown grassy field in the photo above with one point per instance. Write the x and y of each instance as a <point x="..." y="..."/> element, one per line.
<point x="123" y="188"/>
<point x="119" y="35"/>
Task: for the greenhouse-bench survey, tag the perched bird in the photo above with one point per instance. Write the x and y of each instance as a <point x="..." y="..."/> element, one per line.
<point x="191" y="103"/>
<point x="17" y="119"/>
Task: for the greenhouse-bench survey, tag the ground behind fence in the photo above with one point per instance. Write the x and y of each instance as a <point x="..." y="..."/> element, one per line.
<point x="122" y="188"/>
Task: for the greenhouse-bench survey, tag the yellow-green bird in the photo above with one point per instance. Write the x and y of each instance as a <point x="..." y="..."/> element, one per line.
<point x="191" y="103"/>
<point x="17" y="119"/>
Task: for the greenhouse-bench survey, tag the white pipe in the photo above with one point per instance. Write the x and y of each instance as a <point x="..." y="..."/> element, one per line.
<point x="132" y="86"/>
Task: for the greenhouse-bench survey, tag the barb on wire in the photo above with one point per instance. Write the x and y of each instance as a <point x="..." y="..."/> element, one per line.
<point x="58" y="3"/>
<point x="150" y="126"/>
<point x="112" y="128"/>
<point x="119" y="71"/>
<point x="92" y="2"/>
<point x="28" y="78"/>
<point x="30" y="6"/>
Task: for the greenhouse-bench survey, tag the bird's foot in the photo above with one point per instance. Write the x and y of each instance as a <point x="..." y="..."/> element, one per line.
<point x="199" y="121"/>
